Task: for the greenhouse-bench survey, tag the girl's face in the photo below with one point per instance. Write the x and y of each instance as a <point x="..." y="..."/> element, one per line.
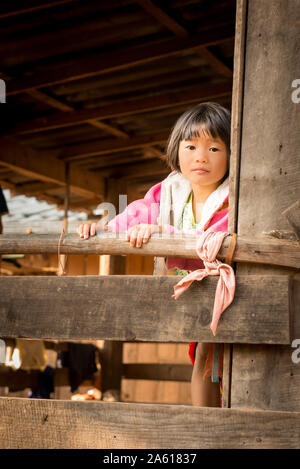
<point x="206" y="153"/>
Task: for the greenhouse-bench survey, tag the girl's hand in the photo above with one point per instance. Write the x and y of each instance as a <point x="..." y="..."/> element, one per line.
<point x="141" y="233"/>
<point x="86" y="229"/>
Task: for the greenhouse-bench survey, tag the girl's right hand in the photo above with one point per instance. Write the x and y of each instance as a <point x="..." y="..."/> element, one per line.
<point x="141" y="233"/>
<point x="86" y="229"/>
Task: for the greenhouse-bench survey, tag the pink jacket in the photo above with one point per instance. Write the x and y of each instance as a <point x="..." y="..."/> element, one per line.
<point x="147" y="211"/>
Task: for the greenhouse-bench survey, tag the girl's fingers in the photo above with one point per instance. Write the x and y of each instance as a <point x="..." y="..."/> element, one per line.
<point x="147" y="235"/>
<point x="86" y="230"/>
<point x="140" y="237"/>
<point x="80" y="230"/>
<point x="133" y="236"/>
<point x="133" y="233"/>
<point x="93" y="229"/>
<point x="131" y="230"/>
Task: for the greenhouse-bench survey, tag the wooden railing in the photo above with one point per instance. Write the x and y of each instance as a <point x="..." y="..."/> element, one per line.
<point x="141" y="308"/>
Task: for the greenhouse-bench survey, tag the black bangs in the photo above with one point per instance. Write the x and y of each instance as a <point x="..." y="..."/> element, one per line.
<point x="194" y="129"/>
<point x="209" y="119"/>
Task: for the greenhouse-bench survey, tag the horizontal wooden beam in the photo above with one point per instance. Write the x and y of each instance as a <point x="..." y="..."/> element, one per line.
<point x="100" y="147"/>
<point x="34" y="187"/>
<point x="258" y="250"/>
<point x="126" y="307"/>
<point x="157" y="371"/>
<point x="57" y="424"/>
<point x="124" y="108"/>
<point x="46" y="167"/>
<point x="9" y="13"/>
<point x="114" y="61"/>
<point x="15" y="379"/>
<point x="182" y="30"/>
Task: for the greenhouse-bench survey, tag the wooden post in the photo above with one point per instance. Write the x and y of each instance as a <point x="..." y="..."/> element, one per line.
<point x="236" y="122"/>
<point x="265" y="377"/>
<point x="63" y="258"/>
<point x="112" y="352"/>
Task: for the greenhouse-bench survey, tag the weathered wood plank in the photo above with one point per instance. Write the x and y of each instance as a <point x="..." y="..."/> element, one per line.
<point x="54" y="424"/>
<point x="154" y="371"/>
<point x="265" y="377"/>
<point x="235" y="145"/>
<point x="132" y="307"/>
<point x="112" y="351"/>
<point x="124" y="108"/>
<point x="98" y="64"/>
<point x="46" y="166"/>
<point x="18" y="378"/>
<point x="258" y="250"/>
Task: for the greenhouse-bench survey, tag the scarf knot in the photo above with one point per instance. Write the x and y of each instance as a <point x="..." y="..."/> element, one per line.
<point x="208" y="246"/>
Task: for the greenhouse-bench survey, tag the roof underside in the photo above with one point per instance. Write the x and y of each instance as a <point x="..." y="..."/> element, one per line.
<point x="99" y="85"/>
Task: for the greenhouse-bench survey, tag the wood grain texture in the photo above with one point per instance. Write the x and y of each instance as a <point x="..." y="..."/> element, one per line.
<point x="264" y="376"/>
<point x="46" y="166"/>
<point x="118" y="60"/>
<point x="52" y="424"/>
<point x="133" y="307"/>
<point x="235" y="147"/>
<point x="257" y="250"/>
<point x="155" y="371"/>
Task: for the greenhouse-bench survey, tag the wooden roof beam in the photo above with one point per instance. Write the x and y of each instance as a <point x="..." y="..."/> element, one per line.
<point x="57" y="104"/>
<point x="181" y="31"/>
<point x="100" y="147"/>
<point x="117" y="60"/>
<point x="35" y="187"/>
<point x="45" y="166"/>
<point x="43" y="6"/>
<point x="125" y="108"/>
<point x="136" y="170"/>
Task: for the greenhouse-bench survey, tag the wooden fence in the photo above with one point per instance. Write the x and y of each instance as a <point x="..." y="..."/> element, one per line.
<point x="129" y="308"/>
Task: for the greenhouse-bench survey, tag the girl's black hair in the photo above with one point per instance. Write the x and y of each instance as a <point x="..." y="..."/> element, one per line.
<point x="212" y="116"/>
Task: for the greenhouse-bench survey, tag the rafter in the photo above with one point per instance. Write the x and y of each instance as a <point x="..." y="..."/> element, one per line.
<point x="46" y="166"/>
<point x="44" y="6"/>
<point x="181" y="30"/>
<point x="125" y="108"/>
<point x="84" y="150"/>
<point x="117" y="60"/>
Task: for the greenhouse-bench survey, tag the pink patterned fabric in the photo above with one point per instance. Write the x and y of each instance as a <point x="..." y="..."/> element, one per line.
<point x="208" y="246"/>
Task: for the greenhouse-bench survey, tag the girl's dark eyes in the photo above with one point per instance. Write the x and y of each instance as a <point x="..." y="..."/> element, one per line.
<point x="192" y="147"/>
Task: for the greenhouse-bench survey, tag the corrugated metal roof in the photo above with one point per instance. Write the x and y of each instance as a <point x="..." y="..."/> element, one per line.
<point x="23" y="209"/>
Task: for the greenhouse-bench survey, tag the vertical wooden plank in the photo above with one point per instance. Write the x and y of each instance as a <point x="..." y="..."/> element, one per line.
<point x="63" y="258"/>
<point x="265" y="377"/>
<point x="112" y="352"/>
<point x="235" y="145"/>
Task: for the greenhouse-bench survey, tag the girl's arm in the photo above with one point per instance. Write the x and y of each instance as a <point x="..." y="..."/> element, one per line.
<point x="141" y="211"/>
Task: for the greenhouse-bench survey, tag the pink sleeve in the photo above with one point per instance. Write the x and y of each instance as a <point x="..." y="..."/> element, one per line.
<point x="144" y="210"/>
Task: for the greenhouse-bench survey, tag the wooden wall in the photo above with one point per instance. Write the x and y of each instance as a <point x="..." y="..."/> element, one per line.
<point x="131" y="390"/>
<point x="264" y="376"/>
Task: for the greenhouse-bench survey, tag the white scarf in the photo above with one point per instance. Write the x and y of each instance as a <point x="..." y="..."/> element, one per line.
<point x="175" y="189"/>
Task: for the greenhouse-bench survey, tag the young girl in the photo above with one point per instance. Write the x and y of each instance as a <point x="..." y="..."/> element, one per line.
<point x="192" y="199"/>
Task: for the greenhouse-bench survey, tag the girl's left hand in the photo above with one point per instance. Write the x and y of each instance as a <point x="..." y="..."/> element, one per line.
<point x="141" y="233"/>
